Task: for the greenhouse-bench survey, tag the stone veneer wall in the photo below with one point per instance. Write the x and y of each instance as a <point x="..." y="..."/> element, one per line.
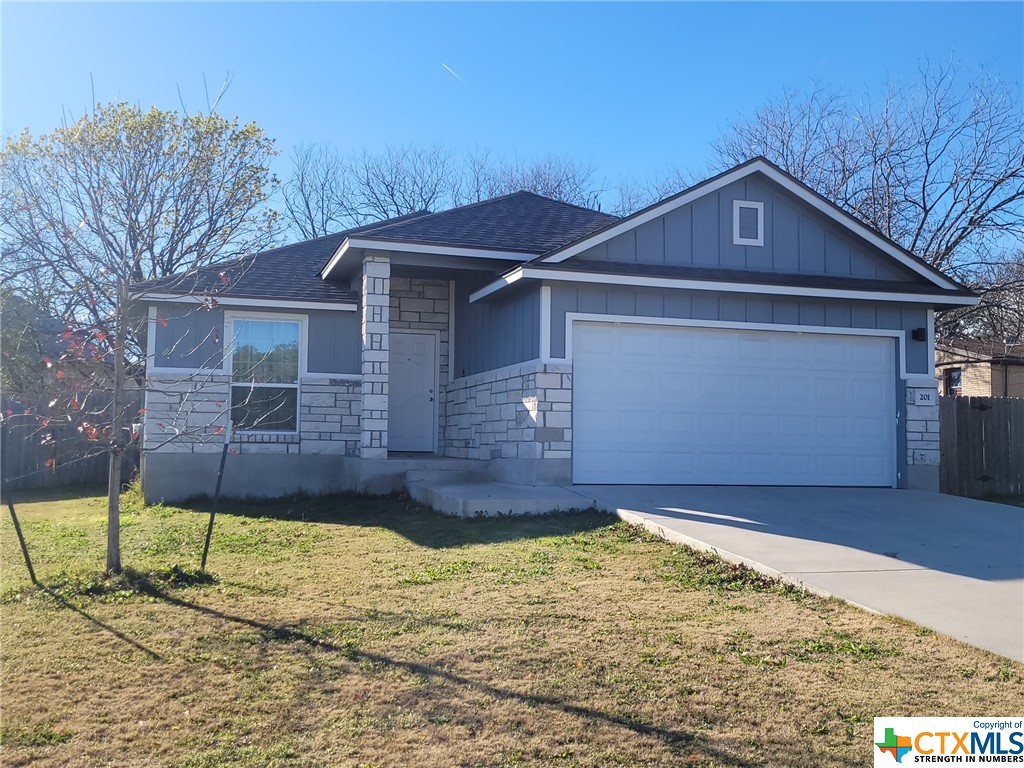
<point x="424" y="305"/>
<point x="329" y="412"/>
<point x="189" y="415"/>
<point x="522" y="411"/>
<point x="185" y="414"/>
<point x="373" y="425"/>
<point x="922" y="428"/>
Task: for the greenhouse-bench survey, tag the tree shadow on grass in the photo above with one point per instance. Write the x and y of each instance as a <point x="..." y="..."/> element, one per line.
<point x="676" y="739"/>
<point x="64" y="603"/>
<point x="413" y="521"/>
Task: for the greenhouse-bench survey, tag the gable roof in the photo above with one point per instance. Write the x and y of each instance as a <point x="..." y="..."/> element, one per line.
<point x="515" y="227"/>
<point x="290" y="273"/>
<point x="783" y="179"/>
<point x="523" y="222"/>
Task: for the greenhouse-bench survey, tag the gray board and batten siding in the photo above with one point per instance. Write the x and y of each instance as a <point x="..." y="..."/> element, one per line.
<point x="493" y="334"/>
<point x="189" y="337"/>
<point x="797" y="239"/>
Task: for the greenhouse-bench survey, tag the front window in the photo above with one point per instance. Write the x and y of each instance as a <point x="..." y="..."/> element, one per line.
<point x="265" y="374"/>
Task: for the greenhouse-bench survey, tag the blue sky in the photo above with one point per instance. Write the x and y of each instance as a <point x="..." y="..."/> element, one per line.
<point x="632" y="89"/>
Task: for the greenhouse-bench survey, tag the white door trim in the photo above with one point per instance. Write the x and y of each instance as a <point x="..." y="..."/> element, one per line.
<point x="437" y="376"/>
<point x="768" y="327"/>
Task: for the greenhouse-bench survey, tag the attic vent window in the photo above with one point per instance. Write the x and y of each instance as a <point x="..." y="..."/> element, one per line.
<point x="747" y="223"/>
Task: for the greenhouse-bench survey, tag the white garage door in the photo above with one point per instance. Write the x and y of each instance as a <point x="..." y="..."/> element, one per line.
<point x="671" y="405"/>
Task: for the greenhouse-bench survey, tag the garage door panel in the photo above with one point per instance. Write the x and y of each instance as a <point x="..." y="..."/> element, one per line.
<point x="756" y="425"/>
<point x="868" y="427"/>
<point x="692" y="405"/>
<point x="795" y="426"/>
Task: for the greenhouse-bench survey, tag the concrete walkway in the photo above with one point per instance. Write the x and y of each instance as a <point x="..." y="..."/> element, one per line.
<point x="952" y="564"/>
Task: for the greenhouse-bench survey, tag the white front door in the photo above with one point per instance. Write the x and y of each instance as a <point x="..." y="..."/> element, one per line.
<point x="412" y="401"/>
<point x="670" y="405"/>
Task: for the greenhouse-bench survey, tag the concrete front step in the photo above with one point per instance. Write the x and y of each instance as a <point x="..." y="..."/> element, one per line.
<point x="447" y="476"/>
<point x="473" y="499"/>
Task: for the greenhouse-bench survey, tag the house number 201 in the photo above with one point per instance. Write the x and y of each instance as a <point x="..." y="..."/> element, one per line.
<point x="926" y="398"/>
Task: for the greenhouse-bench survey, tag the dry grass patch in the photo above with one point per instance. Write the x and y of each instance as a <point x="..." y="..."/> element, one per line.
<point x="371" y="632"/>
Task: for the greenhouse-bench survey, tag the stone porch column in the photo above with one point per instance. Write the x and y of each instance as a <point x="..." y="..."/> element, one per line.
<point x="376" y="291"/>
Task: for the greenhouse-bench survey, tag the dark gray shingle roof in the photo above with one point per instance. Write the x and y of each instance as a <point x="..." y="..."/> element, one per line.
<point x="522" y="221"/>
<point x="289" y="273"/>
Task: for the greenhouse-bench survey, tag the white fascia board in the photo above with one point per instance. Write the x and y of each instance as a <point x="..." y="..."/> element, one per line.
<point x="338" y="254"/>
<point x="441" y="250"/>
<point x="851" y="223"/>
<point x="782" y="180"/>
<point x="650" y="215"/>
<point x="430" y="250"/>
<point x="234" y="301"/>
<point x="512" y="277"/>
<point x="716" y="285"/>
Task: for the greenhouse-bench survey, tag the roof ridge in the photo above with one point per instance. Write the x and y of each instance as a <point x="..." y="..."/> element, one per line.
<point x="564" y="202"/>
<point x="351" y="230"/>
<point x="431" y="214"/>
<point x="490" y="200"/>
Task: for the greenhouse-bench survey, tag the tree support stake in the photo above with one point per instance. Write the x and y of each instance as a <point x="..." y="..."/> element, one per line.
<point x="213" y="507"/>
<point x="21" y="540"/>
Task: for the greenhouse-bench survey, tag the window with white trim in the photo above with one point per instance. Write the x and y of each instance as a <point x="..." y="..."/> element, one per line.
<point x="954" y="382"/>
<point x="265" y="374"/>
<point x="747" y="222"/>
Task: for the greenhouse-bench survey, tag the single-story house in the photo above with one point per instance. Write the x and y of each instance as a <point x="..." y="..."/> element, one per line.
<point x="744" y="331"/>
<point x="978" y="368"/>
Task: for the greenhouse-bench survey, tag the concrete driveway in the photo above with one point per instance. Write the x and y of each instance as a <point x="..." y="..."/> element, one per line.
<point x="954" y="565"/>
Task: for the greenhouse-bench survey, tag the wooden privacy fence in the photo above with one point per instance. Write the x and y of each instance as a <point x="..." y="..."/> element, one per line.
<point x="41" y="448"/>
<point x="982" y="446"/>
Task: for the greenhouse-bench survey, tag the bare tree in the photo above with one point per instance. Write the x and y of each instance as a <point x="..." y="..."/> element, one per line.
<point x="1000" y="315"/>
<point x="328" y="193"/>
<point x="400" y="180"/>
<point x="120" y="196"/>
<point x="937" y="167"/>
<point x="633" y="194"/>
<point x="318" y="198"/>
<point x="485" y="176"/>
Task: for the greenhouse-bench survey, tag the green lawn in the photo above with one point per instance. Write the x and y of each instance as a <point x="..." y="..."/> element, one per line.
<point x="353" y="631"/>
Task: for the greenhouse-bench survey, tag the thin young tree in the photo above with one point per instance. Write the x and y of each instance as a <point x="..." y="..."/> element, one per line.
<point x="123" y="195"/>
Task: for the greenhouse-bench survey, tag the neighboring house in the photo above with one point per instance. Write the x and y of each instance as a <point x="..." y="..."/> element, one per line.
<point x="743" y="331"/>
<point x="980" y="368"/>
<point x="43" y="356"/>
